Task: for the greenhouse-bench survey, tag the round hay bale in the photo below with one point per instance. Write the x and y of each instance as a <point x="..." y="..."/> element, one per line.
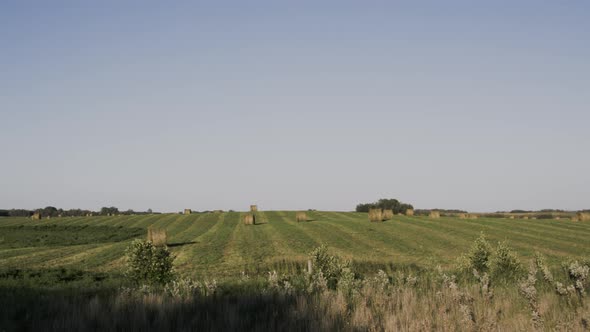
<point x="249" y="219"/>
<point x="387" y="215"/>
<point x="375" y="215"/>
<point x="36" y="216"/>
<point x="434" y="214"/>
<point x="301" y="216"/>
<point x="409" y="212"/>
<point x="462" y="215"/>
<point x="158" y="237"/>
<point x="583" y="216"/>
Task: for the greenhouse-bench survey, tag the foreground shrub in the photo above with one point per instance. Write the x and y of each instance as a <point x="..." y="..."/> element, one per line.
<point x="478" y="257"/>
<point x="504" y="263"/>
<point x="328" y="269"/>
<point x="148" y="264"/>
<point x="578" y="274"/>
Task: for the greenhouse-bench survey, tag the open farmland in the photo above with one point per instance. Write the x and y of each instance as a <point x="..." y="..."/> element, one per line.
<point x="220" y="245"/>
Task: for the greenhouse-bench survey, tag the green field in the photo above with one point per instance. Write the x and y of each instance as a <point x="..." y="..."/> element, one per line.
<point x="219" y="245"/>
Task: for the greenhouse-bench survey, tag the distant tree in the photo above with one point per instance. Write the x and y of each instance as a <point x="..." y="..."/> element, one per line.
<point x="364" y="207"/>
<point x="149" y="211"/>
<point x="109" y="211"/>
<point x="49" y="211"/>
<point x="389" y="204"/>
<point x="385" y="203"/>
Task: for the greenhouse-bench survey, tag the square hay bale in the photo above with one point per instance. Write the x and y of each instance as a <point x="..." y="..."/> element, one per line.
<point x="375" y="215"/>
<point x="410" y="212"/>
<point x="387" y="214"/>
<point x="36" y="216"/>
<point x="188" y="211"/>
<point x="434" y="214"/>
<point x="249" y="219"/>
<point x="253" y="208"/>
<point x="301" y="216"/>
<point x="583" y="216"/>
<point x="158" y="237"/>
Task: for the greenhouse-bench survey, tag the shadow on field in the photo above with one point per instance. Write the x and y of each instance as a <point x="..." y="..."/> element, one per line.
<point x="180" y="244"/>
<point x="26" y="309"/>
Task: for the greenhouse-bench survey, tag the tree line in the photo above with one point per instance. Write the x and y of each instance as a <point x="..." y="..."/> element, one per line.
<point x="51" y="211"/>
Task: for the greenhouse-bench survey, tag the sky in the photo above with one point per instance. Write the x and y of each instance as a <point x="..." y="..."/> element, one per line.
<point x="477" y="105"/>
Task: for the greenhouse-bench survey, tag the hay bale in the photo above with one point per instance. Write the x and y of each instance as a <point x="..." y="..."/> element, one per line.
<point x="375" y="215"/>
<point x="434" y="214"/>
<point x="188" y="211"/>
<point x="410" y="212"/>
<point x="253" y="208"/>
<point x="582" y="216"/>
<point x="158" y="237"/>
<point x="249" y="219"/>
<point x="387" y="214"/>
<point x="557" y="218"/>
<point x="462" y="215"/>
<point x="36" y="216"/>
<point x="511" y="217"/>
<point x="301" y="216"/>
<point x="525" y="217"/>
<point x="471" y="216"/>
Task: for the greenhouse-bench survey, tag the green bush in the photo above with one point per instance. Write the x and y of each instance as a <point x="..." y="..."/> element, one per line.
<point x="148" y="264"/>
<point x="504" y="263"/>
<point x="328" y="267"/>
<point x="478" y="257"/>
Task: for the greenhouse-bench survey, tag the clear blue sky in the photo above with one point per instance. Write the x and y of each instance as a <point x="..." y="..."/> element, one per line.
<point x="292" y="105"/>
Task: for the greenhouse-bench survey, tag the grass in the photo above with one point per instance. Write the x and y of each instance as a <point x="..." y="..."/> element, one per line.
<point x="66" y="274"/>
<point x="220" y="245"/>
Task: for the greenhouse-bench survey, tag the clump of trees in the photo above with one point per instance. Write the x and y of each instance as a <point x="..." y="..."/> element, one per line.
<point x="108" y="211"/>
<point x="386" y="204"/>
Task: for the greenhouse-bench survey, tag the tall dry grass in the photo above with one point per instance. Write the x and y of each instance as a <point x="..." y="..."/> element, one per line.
<point x="393" y="306"/>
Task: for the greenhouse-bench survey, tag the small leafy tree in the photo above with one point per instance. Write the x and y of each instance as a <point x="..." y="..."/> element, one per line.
<point x="478" y="257"/>
<point x="330" y="267"/>
<point x="148" y="264"/>
<point x="505" y="264"/>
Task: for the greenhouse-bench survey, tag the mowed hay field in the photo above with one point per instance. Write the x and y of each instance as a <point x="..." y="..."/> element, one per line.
<point x="221" y="245"/>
